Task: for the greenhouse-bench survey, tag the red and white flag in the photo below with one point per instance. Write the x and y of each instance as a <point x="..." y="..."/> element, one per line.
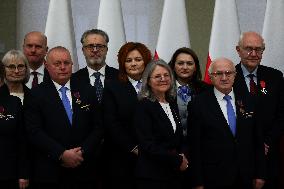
<point x="273" y="35"/>
<point x="225" y="33"/>
<point x="173" y="32"/>
<point x="59" y="28"/>
<point x="110" y="20"/>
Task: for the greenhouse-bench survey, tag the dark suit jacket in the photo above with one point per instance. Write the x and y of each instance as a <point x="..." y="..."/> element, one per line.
<point x="50" y="132"/>
<point x="217" y="157"/>
<point x="82" y="75"/>
<point x="269" y="109"/>
<point x="119" y="104"/>
<point x="13" y="156"/>
<point x="159" y="145"/>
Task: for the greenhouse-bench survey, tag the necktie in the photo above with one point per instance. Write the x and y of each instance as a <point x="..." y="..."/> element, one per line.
<point x="231" y="114"/>
<point x="66" y="103"/>
<point x="98" y="86"/>
<point x="138" y="86"/>
<point x="35" y="79"/>
<point x="184" y="93"/>
<point x="252" y="85"/>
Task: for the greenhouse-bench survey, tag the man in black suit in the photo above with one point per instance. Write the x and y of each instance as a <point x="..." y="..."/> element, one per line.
<point x="35" y="49"/>
<point x="95" y="47"/>
<point x="65" y="136"/>
<point x="264" y="88"/>
<point x="226" y="150"/>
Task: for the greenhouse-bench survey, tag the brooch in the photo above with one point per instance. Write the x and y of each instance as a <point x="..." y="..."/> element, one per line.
<point x="242" y="110"/>
<point x="262" y="85"/>
<point x="77" y="96"/>
<point x="86" y="107"/>
<point x="3" y="116"/>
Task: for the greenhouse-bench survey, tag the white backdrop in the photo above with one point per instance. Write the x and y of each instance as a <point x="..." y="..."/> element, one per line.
<point x="141" y="19"/>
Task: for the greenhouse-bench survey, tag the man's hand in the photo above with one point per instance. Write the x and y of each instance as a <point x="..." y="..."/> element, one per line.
<point x="184" y="164"/>
<point x="72" y="158"/>
<point x="258" y="183"/>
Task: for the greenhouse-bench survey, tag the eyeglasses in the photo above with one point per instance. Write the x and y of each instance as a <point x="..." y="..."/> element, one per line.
<point x="13" y="67"/>
<point x="166" y="77"/>
<point x="92" y="47"/>
<point x="226" y="73"/>
<point x="258" y="50"/>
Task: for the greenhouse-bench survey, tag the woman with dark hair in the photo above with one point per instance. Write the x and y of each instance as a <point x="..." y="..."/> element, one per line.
<point x="16" y="74"/>
<point x="13" y="161"/>
<point x="159" y="133"/>
<point x="119" y="104"/>
<point x="186" y="68"/>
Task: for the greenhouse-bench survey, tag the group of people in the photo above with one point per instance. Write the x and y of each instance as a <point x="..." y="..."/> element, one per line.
<point x="149" y="124"/>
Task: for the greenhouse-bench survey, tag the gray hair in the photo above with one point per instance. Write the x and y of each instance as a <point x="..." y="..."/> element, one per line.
<point x="94" y="31"/>
<point x="210" y="69"/>
<point x="241" y="38"/>
<point x="146" y="91"/>
<point x="16" y="55"/>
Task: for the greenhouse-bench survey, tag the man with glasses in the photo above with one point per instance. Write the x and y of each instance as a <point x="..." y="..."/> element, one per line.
<point x="264" y="88"/>
<point x="223" y="141"/>
<point x="35" y="49"/>
<point x="95" y="47"/>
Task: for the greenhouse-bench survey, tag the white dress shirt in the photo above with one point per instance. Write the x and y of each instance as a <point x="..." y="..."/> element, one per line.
<point x="92" y="77"/>
<point x="247" y="78"/>
<point x="167" y="109"/>
<point x="40" y="74"/>
<point x="134" y="83"/>
<point x="68" y="92"/>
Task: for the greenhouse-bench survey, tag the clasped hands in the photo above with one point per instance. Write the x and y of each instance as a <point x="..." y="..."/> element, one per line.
<point x="72" y="158"/>
<point x="184" y="164"/>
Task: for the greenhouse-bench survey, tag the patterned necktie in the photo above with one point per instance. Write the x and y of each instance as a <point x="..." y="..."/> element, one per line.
<point x="35" y="79"/>
<point x="138" y="86"/>
<point x="252" y="85"/>
<point x="231" y="114"/>
<point x="98" y="86"/>
<point x="184" y="92"/>
<point x="66" y="103"/>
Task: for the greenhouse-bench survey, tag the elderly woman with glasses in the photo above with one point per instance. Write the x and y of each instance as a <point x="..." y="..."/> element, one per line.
<point x="119" y="104"/>
<point x="159" y="132"/>
<point x="13" y="156"/>
<point x="16" y="74"/>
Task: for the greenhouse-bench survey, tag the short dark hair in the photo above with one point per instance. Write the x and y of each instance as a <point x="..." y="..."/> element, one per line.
<point x="186" y="50"/>
<point x="123" y="52"/>
<point x="94" y="31"/>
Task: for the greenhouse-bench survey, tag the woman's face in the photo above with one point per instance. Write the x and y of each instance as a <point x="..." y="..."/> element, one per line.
<point x="15" y="71"/>
<point x="134" y="65"/>
<point x="184" y="66"/>
<point x="160" y="80"/>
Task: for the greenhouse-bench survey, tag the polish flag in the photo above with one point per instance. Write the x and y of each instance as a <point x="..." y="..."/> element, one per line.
<point x="225" y="33"/>
<point x="59" y="28"/>
<point x="173" y="32"/>
<point x="273" y="35"/>
<point x="110" y="20"/>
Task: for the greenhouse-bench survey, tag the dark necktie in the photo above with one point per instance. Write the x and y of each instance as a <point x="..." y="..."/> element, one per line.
<point x="35" y="79"/>
<point x="231" y="114"/>
<point x="66" y="103"/>
<point x="184" y="92"/>
<point x="98" y="86"/>
<point x="252" y="85"/>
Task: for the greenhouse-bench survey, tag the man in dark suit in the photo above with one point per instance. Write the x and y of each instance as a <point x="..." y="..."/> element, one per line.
<point x="95" y="47"/>
<point x="226" y="150"/>
<point x="264" y="88"/>
<point x="35" y="49"/>
<point x="65" y="136"/>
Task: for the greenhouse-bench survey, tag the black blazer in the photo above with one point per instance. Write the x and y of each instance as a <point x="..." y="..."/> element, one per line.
<point x="159" y="145"/>
<point x="82" y="75"/>
<point x="13" y="143"/>
<point x="119" y="105"/>
<point x="217" y="157"/>
<point x="50" y="131"/>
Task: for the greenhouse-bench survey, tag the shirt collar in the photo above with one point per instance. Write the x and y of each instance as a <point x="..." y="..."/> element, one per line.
<point x="132" y="81"/>
<point x="58" y="87"/>
<point x="219" y="95"/>
<point x="92" y="71"/>
<point x="40" y="70"/>
<point x="246" y="72"/>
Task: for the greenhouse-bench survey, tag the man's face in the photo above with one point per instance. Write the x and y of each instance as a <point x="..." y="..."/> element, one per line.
<point x="95" y="50"/>
<point x="223" y="75"/>
<point x="250" y="51"/>
<point x="59" y="66"/>
<point x="35" y="49"/>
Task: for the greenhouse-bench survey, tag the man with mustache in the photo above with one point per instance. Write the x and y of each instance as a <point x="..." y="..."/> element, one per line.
<point x="95" y="47"/>
<point x="264" y="88"/>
